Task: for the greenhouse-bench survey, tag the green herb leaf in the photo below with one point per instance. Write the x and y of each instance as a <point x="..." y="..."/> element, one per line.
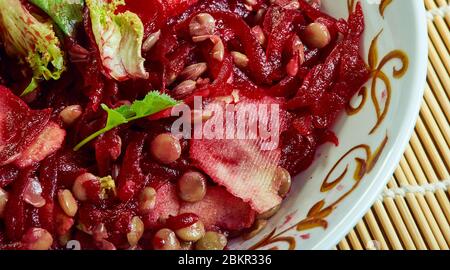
<point x="152" y="103"/>
<point x="67" y="14"/>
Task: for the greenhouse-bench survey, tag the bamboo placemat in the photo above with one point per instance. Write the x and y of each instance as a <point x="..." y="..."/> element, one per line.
<point x="414" y="210"/>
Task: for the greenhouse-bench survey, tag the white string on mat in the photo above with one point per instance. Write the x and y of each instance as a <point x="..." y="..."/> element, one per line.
<point x="440" y="11"/>
<point x="421" y="189"/>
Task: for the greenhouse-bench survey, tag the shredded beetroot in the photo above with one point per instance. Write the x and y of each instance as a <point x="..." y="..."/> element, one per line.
<point x="131" y="178"/>
<point x="107" y="149"/>
<point x="253" y="54"/>
<point x="16" y="208"/>
<point x="182" y="221"/>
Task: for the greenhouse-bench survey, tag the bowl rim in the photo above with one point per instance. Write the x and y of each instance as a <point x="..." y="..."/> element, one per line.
<point x="386" y="170"/>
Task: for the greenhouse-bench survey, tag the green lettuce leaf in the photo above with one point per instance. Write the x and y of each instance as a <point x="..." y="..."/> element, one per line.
<point x="119" y="39"/>
<point x="67" y="14"/>
<point x="32" y="41"/>
<point x="152" y="103"/>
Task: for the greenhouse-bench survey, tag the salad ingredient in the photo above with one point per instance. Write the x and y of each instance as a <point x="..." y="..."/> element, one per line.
<point x="166" y="148"/>
<point x="192" y="186"/>
<point x="218" y="51"/>
<point x="283" y="176"/>
<point x="107" y="186"/>
<point x="108" y="148"/>
<point x="20" y="128"/>
<point x="192" y="232"/>
<point x="259" y="34"/>
<point x="186" y="245"/>
<point x="63" y="223"/>
<point x="181" y="221"/>
<point x="240" y="59"/>
<point x="255" y="169"/>
<point x="211" y="241"/>
<point x="147" y="200"/>
<point x="67" y="14"/>
<point x="167" y="204"/>
<point x="150" y="41"/>
<point x="119" y="39"/>
<point x="32" y="193"/>
<point x="34" y="42"/>
<point x="214" y="210"/>
<point x="100" y="232"/>
<point x="105" y="245"/>
<point x="317" y="35"/>
<point x="70" y="114"/>
<point x="152" y="103"/>
<point x="131" y="179"/>
<point x="166" y="239"/>
<point x="136" y="231"/>
<point x="3" y="201"/>
<point x="48" y="142"/>
<point x="67" y="202"/>
<point x="194" y="71"/>
<point x="81" y="183"/>
<point x="202" y="25"/>
<point x="184" y="89"/>
<point x="37" y="239"/>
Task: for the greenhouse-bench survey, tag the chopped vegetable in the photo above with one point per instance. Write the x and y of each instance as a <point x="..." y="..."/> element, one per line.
<point x="119" y="39"/>
<point x="67" y="14"/>
<point x="107" y="184"/>
<point x="152" y="103"/>
<point x="131" y="179"/>
<point x="215" y="211"/>
<point x="48" y="142"/>
<point x="32" y="41"/>
<point x="167" y="204"/>
<point x="20" y="126"/>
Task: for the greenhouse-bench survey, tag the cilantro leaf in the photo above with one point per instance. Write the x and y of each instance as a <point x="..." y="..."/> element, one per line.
<point x="152" y="103"/>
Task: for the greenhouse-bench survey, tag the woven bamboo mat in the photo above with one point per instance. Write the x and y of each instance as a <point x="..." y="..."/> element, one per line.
<point x="414" y="210"/>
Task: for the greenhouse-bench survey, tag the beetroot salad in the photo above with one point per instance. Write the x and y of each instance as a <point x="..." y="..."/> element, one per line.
<point x="163" y="124"/>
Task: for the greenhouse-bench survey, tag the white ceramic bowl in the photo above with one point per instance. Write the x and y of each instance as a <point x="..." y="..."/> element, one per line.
<point x="328" y="199"/>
